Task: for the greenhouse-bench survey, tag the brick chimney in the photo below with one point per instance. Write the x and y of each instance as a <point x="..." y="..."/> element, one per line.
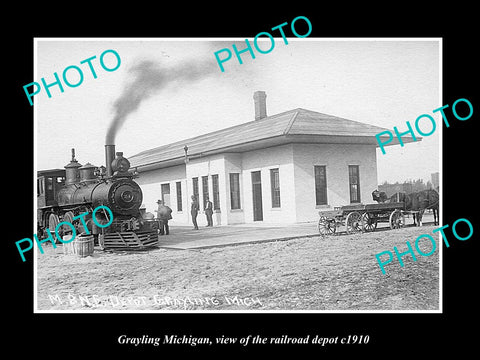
<point x="259" y="98"/>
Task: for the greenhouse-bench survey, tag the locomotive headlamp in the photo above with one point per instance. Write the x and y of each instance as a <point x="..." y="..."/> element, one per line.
<point x="123" y="165"/>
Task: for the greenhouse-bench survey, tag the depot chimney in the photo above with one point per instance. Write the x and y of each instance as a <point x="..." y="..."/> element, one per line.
<point x="259" y="98"/>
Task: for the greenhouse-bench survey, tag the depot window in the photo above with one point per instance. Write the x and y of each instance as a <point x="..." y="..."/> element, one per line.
<point x="195" y="188"/>
<point x="216" y="193"/>
<point x="234" y="191"/>
<point x="275" y="186"/>
<point x="178" y="186"/>
<point x="354" y="180"/>
<point x="320" y="185"/>
<point x="205" y="190"/>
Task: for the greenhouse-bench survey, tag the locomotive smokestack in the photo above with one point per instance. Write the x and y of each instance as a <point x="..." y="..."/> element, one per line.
<point x="109" y="157"/>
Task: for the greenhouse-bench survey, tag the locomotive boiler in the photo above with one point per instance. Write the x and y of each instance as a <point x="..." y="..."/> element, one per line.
<point x="83" y="188"/>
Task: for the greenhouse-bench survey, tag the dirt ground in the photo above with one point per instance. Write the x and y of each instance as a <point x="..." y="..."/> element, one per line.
<point x="330" y="273"/>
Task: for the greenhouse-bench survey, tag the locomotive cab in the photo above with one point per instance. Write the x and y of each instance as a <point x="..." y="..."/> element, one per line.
<point x="49" y="183"/>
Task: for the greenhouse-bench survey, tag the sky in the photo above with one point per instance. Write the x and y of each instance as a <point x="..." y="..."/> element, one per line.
<point x="383" y="82"/>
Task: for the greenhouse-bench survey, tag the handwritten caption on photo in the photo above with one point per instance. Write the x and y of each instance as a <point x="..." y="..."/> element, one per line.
<point x="115" y="301"/>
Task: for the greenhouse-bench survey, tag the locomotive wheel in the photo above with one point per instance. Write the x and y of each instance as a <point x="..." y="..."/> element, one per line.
<point x="354" y="222"/>
<point x="69" y="218"/>
<point x="369" y="222"/>
<point x="53" y="221"/>
<point x="326" y="226"/>
<point x="397" y="219"/>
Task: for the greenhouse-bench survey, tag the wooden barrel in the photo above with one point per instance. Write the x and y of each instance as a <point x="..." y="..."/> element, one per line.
<point x="82" y="246"/>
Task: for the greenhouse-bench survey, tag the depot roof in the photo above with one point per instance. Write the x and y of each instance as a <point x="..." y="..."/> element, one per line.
<point x="293" y="126"/>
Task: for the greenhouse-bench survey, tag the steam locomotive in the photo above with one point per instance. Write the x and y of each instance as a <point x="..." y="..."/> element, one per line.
<point x="64" y="194"/>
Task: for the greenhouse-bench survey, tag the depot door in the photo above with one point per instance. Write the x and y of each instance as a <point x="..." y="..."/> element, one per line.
<point x="257" y="196"/>
<point x="165" y="189"/>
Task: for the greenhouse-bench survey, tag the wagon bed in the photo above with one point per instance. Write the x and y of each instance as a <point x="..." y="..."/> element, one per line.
<point x="361" y="217"/>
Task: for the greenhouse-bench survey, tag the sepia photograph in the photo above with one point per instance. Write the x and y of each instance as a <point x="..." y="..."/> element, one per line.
<point x="191" y="175"/>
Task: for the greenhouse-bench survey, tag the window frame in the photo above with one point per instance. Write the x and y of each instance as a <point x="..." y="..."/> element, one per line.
<point x="205" y="191"/>
<point x="275" y="188"/>
<point x="354" y="187"/>
<point x="321" y="198"/>
<point x="216" y="192"/>
<point x="235" y="200"/>
<point x="178" y="191"/>
<point x="195" y="189"/>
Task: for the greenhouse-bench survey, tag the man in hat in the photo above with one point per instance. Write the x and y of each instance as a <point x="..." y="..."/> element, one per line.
<point x="164" y="213"/>
<point x="208" y="211"/>
<point x="194" y="211"/>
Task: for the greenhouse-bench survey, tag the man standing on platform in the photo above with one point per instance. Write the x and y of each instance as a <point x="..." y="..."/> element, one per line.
<point x="209" y="211"/>
<point x="164" y="213"/>
<point x="194" y="211"/>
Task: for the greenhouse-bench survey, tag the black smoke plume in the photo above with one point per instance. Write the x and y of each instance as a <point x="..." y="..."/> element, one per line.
<point x="148" y="79"/>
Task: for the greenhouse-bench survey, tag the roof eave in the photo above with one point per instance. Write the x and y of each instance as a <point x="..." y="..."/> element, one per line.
<point x="265" y="143"/>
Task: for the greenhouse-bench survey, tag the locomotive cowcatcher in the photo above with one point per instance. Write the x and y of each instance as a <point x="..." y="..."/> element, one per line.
<point x="65" y="194"/>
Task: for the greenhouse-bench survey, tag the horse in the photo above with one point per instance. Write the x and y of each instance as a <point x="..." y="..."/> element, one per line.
<point x="381" y="197"/>
<point x="410" y="200"/>
<point x="426" y="199"/>
<point x="401" y="197"/>
<point x="418" y="202"/>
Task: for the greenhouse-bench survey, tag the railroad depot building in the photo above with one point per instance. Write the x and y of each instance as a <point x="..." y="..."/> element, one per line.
<point x="281" y="168"/>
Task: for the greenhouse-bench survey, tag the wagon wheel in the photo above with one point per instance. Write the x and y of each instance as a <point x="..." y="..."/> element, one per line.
<point x="369" y="222"/>
<point x="397" y="219"/>
<point x="53" y="221"/>
<point x="326" y="226"/>
<point x="354" y="222"/>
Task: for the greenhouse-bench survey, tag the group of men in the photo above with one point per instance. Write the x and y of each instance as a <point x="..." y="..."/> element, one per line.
<point x="164" y="213"/>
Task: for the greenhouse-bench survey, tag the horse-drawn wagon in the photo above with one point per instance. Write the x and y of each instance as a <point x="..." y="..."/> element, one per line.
<point x="357" y="218"/>
<point x="360" y="217"/>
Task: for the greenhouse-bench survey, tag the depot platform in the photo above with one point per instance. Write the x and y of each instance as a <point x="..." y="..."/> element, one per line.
<point x="186" y="238"/>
